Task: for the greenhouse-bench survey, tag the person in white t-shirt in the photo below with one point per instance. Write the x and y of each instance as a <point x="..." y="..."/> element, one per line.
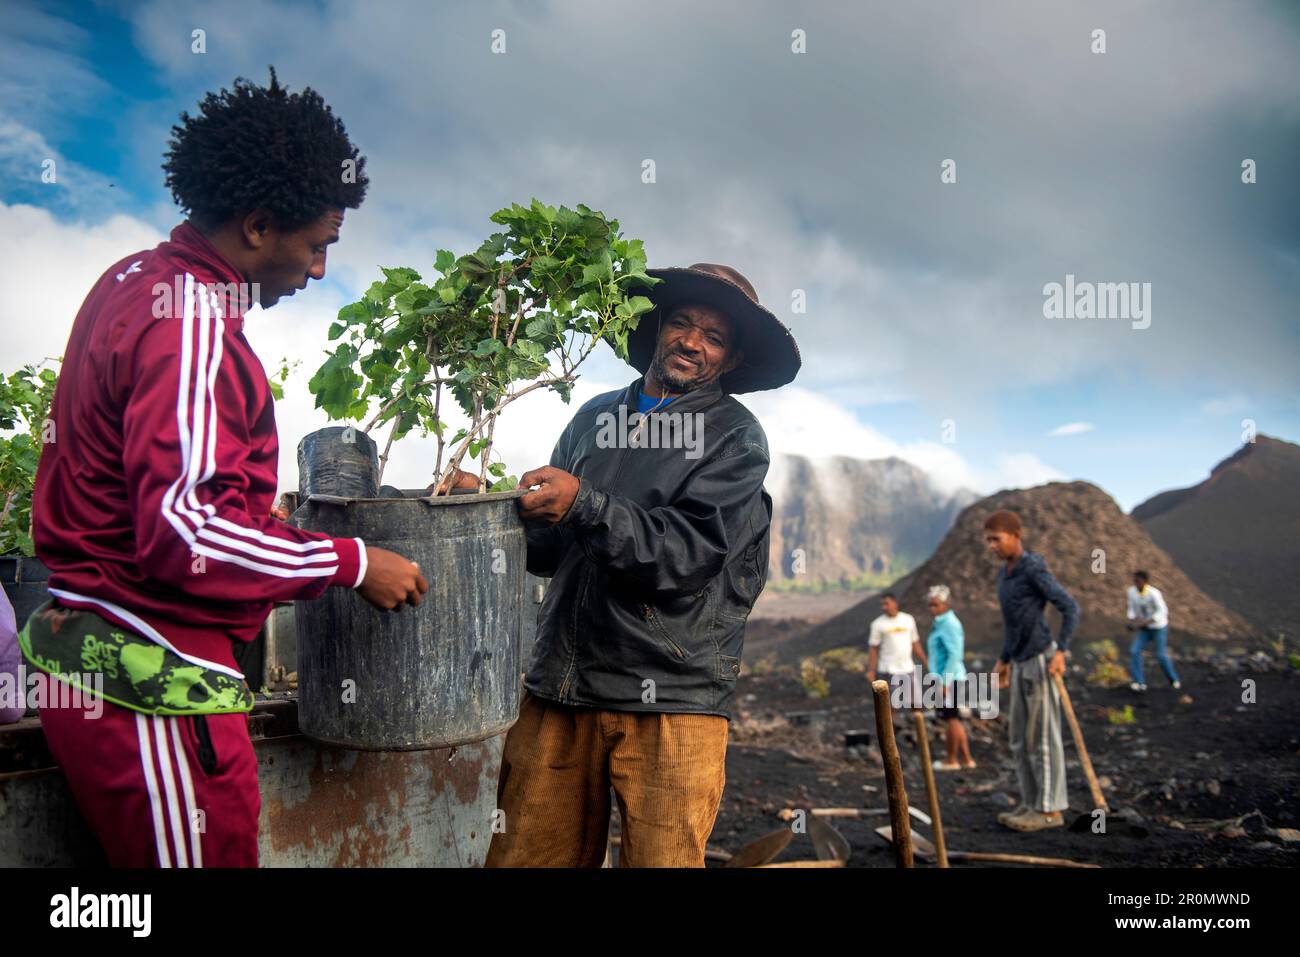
<point x="891" y="645"/>
<point x="1148" y="615"/>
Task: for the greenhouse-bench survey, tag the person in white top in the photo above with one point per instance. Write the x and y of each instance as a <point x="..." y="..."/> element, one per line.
<point x="1148" y="615"/>
<point x="893" y="641"/>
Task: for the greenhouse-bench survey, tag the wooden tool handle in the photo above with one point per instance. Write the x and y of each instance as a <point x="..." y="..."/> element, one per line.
<point x="1098" y="799"/>
<point x="898" y="816"/>
<point x="923" y="740"/>
<point x="1018" y="859"/>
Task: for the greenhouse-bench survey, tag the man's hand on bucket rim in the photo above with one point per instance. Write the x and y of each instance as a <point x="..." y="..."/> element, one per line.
<point x="391" y="580"/>
<point x="552" y="500"/>
<point x="457" y="479"/>
<point x="280" y="509"/>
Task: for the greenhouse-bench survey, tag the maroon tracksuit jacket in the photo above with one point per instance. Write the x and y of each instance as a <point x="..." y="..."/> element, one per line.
<point x="152" y="504"/>
<point x="152" y="509"/>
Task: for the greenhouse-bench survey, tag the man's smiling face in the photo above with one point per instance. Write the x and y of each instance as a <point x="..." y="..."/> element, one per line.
<point x="696" y="345"/>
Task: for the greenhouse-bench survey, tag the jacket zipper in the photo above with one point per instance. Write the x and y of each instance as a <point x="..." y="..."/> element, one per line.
<point x="586" y="575"/>
<point x="582" y="590"/>
<point x="653" y="619"/>
<point x="573" y="655"/>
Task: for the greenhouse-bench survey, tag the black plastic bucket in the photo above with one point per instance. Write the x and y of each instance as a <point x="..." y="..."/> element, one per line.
<point x="26" y="583"/>
<point x="444" y="674"/>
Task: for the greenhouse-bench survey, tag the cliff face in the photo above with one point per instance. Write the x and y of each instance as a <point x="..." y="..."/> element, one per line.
<point x="853" y="519"/>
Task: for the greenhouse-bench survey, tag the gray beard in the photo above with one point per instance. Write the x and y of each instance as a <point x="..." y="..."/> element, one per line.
<point x="671" y="382"/>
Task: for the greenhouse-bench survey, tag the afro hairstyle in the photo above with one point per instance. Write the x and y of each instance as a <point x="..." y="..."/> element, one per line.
<point x="261" y="147"/>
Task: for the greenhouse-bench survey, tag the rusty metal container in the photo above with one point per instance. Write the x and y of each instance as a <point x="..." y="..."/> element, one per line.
<point x="321" y="806"/>
<point x="444" y="674"/>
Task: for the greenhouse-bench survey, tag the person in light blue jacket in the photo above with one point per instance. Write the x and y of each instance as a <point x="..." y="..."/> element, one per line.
<point x="945" y="648"/>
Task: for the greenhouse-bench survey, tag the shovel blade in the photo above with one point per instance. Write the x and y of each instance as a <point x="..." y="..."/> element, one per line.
<point x="829" y="843"/>
<point x="762" y="850"/>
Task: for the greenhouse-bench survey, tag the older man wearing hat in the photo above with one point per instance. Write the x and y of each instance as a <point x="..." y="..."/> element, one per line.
<point x="656" y="553"/>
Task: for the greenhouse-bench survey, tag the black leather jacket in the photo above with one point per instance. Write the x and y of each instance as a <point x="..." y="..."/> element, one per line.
<point x="657" y="563"/>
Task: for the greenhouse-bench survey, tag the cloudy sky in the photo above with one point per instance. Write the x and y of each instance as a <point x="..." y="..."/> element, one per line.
<point x="817" y="171"/>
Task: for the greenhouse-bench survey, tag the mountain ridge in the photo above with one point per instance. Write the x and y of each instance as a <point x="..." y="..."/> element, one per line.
<point x="1091" y="546"/>
<point x="1237" y="532"/>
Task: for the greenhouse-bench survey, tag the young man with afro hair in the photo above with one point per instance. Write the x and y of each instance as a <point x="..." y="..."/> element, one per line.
<point x="152" y="509"/>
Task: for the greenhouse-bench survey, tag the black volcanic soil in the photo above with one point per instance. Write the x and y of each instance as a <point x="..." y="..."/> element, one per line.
<point x="1214" y="778"/>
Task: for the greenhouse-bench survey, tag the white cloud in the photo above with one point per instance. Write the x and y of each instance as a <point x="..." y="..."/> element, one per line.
<point x="1020" y="470"/>
<point x="800" y="422"/>
<point x="35" y="170"/>
<point x="1225" y="404"/>
<point x="42" y="70"/>
<point x="47" y="267"/>
<point x="915" y="291"/>
<point x="802" y="173"/>
<point x="1072" y="428"/>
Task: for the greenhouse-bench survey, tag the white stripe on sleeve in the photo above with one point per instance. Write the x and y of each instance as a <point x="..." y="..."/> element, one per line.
<point x="196" y="421"/>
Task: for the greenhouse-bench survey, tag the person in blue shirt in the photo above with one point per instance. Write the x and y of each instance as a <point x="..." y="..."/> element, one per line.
<point x="944" y="648"/>
<point x="1030" y="660"/>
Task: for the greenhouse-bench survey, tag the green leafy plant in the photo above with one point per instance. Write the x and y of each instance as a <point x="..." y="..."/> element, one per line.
<point x="25" y="398"/>
<point x="812" y="676"/>
<point x="281" y="376"/>
<point x="1107" y="672"/>
<point x="520" y="313"/>
<point x="847" y="658"/>
<point x="896" y="568"/>
<point x="1121" y="716"/>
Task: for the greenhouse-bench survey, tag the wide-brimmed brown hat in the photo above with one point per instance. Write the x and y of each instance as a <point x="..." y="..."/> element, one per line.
<point x="771" y="355"/>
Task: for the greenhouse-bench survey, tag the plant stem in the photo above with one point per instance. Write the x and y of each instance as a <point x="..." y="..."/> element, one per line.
<point x="504" y="401"/>
<point x="437" y="406"/>
<point x="487" y="450"/>
<point x="510" y="337"/>
<point x="599" y="334"/>
<point x="397" y="398"/>
<point x="383" y="459"/>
